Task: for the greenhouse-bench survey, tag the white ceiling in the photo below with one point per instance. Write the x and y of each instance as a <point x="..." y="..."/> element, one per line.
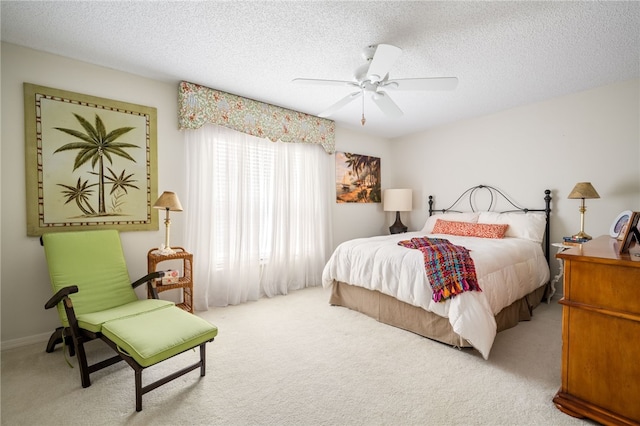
<point x="504" y="53"/>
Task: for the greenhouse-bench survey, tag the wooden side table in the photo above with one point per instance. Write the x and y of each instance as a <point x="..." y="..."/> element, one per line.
<point x="185" y="282"/>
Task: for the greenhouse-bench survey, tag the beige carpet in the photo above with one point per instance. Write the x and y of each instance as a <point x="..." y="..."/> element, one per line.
<point x="296" y="360"/>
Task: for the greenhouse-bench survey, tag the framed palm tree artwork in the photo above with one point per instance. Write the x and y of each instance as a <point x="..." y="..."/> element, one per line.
<point x="90" y="162"/>
<point x="357" y="178"/>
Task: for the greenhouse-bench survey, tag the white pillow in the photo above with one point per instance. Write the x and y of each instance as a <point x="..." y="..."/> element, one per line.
<point x="528" y="226"/>
<point x="452" y="217"/>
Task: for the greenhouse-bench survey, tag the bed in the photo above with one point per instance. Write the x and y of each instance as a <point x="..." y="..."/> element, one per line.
<point x="388" y="281"/>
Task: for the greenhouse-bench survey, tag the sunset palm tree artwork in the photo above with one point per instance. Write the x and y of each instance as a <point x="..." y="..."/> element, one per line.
<point x="94" y="146"/>
<point x="357" y="178"/>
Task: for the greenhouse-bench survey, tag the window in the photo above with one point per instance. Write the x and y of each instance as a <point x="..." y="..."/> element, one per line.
<point x="257" y="215"/>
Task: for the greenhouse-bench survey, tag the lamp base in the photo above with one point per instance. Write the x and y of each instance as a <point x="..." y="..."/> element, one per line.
<point x="581" y="236"/>
<point x="397" y="227"/>
<point x="165" y="250"/>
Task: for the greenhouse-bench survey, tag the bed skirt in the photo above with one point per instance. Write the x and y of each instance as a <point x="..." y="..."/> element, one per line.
<point x="388" y="310"/>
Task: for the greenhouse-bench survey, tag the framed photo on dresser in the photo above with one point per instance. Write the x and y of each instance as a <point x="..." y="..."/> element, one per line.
<point x="630" y="232"/>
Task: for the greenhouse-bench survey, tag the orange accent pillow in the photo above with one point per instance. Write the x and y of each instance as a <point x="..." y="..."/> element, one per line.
<point x="469" y="229"/>
<point x="452" y="228"/>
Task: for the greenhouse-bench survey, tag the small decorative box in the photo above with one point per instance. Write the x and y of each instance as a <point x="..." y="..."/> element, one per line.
<point x="170" y="277"/>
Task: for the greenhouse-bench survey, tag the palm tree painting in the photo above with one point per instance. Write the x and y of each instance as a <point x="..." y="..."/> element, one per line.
<point x="95" y="145"/>
<point x="93" y="162"/>
<point x="357" y="178"/>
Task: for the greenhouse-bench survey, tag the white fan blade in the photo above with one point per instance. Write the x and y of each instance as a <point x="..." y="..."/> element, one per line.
<point x="342" y="102"/>
<point x="440" y="83"/>
<point x="384" y="57"/>
<point x="320" y="82"/>
<point x="386" y="104"/>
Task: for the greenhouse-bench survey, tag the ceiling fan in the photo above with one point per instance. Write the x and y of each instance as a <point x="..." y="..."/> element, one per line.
<point x="373" y="78"/>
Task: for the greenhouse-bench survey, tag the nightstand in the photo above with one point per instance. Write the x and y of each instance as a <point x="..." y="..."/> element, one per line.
<point x="185" y="282"/>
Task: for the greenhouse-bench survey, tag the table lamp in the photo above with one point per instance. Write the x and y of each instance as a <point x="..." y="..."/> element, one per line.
<point x="168" y="201"/>
<point x="398" y="200"/>
<point x="583" y="190"/>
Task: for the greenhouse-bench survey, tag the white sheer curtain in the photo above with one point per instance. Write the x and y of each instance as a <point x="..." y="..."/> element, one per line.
<point x="258" y="215"/>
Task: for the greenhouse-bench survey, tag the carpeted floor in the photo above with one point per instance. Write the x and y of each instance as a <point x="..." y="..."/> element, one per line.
<point x="296" y="360"/>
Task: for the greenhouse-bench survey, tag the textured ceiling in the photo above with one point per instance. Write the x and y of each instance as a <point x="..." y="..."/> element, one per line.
<point x="504" y="53"/>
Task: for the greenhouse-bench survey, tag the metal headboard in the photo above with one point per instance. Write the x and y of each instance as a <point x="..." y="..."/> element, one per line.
<point x="494" y="196"/>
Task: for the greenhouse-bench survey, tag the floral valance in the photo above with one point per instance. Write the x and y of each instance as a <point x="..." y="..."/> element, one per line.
<point x="198" y="105"/>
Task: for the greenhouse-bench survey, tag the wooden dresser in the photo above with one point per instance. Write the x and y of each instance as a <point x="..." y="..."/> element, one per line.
<point x="601" y="333"/>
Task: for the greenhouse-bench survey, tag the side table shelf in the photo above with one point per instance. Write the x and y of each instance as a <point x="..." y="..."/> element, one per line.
<point x="185" y="282"/>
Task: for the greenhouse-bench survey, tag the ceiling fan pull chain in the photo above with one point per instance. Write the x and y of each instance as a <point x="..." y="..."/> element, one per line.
<point x="364" y="120"/>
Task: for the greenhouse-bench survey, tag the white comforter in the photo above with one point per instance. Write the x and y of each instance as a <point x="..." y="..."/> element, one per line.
<point x="507" y="269"/>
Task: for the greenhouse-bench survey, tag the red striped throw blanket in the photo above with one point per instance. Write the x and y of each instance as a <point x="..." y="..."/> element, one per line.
<point x="449" y="268"/>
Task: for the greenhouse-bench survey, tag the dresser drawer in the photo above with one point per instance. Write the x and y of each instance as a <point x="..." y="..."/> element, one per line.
<point x="603" y="366"/>
<point x="616" y="287"/>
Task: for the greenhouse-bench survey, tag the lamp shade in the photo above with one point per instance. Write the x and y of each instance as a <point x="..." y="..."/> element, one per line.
<point x="583" y="190"/>
<point x="168" y="200"/>
<point x="398" y="200"/>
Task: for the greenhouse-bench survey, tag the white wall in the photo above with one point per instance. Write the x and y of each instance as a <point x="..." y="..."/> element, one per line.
<point x="589" y="136"/>
<point x="355" y="220"/>
<point x="24" y="278"/>
<point x="25" y="282"/>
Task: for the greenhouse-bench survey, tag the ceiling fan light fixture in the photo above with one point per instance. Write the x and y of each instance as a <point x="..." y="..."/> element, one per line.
<point x="373" y="76"/>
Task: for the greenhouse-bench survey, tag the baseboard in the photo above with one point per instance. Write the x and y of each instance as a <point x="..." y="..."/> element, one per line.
<point x="25" y="341"/>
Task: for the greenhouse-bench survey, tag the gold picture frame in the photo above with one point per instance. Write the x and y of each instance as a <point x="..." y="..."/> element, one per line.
<point x="91" y="163"/>
<point x="630" y="233"/>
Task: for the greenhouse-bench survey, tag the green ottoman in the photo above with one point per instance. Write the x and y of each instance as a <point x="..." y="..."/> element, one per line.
<point x="156" y="336"/>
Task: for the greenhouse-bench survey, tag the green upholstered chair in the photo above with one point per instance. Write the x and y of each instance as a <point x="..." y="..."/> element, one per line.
<point x="96" y="300"/>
